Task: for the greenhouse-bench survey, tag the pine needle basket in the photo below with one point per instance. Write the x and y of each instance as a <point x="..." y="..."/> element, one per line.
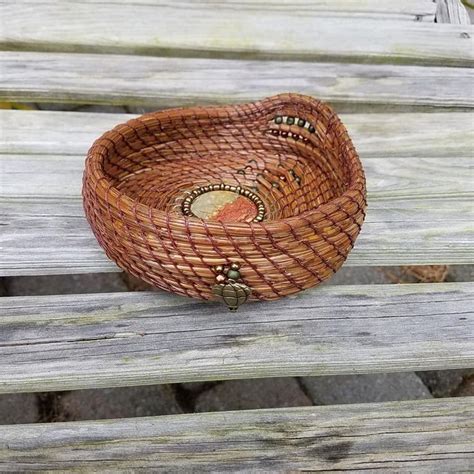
<point x="289" y="156"/>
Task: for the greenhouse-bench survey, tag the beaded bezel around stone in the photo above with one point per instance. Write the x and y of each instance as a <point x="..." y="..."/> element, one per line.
<point x="188" y="201"/>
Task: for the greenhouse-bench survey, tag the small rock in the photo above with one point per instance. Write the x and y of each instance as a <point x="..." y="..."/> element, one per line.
<point x="359" y="276"/>
<point x="3" y="288"/>
<point x="195" y="387"/>
<point x="442" y="383"/>
<point x="120" y="403"/>
<point x="461" y="272"/>
<point x="135" y="284"/>
<point x="250" y="394"/>
<point x="342" y="389"/>
<point x="18" y="408"/>
<point x="466" y="389"/>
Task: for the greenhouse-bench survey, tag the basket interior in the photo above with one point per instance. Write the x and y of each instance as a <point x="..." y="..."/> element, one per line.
<point x="289" y="156"/>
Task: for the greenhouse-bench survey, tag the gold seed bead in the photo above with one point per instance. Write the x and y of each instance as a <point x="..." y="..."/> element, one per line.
<point x="220" y="278"/>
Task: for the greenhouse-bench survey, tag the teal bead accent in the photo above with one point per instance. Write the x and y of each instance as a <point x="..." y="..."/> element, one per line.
<point x="233" y="274"/>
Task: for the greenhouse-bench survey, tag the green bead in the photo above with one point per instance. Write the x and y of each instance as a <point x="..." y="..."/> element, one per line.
<point x="290" y="120"/>
<point x="311" y="129"/>
<point x="278" y="119"/>
<point x="233" y="274"/>
<point x="301" y="123"/>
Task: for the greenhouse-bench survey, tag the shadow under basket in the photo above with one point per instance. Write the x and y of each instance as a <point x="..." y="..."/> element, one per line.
<point x="253" y="201"/>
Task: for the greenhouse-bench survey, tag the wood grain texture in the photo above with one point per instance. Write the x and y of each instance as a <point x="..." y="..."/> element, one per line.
<point x="405" y="10"/>
<point x="119" y="339"/>
<point x="30" y="176"/>
<point x="416" y="436"/>
<point x="43" y="236"/>
<point x="171" y="82"/>
<point x="231" y="31"/>
<point x="374" y="135"/>
<point x="420" y="208"/>
<point x="451" y="11"/>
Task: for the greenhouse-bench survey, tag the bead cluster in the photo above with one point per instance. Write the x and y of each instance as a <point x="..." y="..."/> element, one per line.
<point x="289" y="120"/>
<point x="225" y="273"/>
<point x="283" y="178"/>
<point x="187" y="202"/>
<point x="229" y="286"/>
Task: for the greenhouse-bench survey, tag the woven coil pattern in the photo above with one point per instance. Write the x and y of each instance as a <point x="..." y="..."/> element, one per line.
<point x="291" y="150"/>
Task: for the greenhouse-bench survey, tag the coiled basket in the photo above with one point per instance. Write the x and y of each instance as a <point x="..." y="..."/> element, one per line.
<point x="258" y="201"/>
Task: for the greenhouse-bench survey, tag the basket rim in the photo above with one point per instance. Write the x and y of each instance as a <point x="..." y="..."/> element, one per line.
<point x="122" y="201"/>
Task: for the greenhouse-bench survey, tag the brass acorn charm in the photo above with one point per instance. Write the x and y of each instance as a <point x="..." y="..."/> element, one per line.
<point x="232" y="292"/>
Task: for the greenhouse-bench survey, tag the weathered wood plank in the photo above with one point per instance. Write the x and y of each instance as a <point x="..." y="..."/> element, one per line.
<point x="387" y="135"/>
<point x="119" y="339"/>
<point x="451" y="11"/>
<point x="406" y="10"/>
<point x="51" y="236"/>
<point x="416" y="436"/>
<point x="237" y="30"/>
<point x="60" y="176"/>
<point x="170" y="82"/>
<point x="48" y="237"/>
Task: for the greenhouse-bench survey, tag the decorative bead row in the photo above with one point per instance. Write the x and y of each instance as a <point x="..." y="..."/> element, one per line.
<point x="293" y="135"/>
<point x="289" y="120"/>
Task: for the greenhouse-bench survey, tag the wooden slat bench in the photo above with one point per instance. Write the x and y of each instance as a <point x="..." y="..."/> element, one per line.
<point x="404" y="85"/>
